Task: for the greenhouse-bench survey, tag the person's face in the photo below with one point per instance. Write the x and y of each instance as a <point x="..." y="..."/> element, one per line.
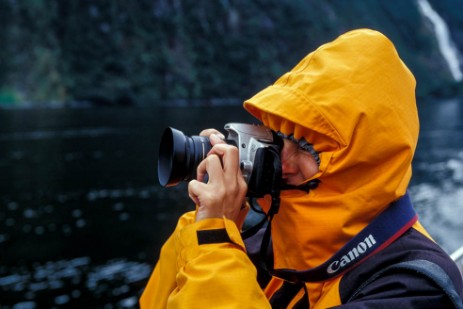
<point x="298" y="164"/>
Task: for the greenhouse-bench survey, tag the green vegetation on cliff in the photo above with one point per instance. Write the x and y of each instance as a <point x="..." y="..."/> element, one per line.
<point x="144" y="52"/>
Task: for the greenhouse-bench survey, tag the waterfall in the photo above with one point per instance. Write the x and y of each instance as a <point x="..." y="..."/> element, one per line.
<point x="446" y="46"/>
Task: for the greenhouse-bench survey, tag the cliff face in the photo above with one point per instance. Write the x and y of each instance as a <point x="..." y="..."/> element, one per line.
<point x="123" y="52"/>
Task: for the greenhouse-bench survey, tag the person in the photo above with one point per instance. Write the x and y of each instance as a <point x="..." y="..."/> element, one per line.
<point x="348" y="117"/>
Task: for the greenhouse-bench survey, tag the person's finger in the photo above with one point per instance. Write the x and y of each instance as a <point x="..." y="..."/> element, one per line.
<point x="216" y="139"/>
<point x="194" y="190"/>
<point x="201" y="171"/>
<point x="208" y="132"/>
<point x="229" y="155"/>
<point x="212" y="166"/>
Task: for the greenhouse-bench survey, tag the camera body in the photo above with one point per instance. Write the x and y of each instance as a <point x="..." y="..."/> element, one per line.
<point x="259" y="156"/>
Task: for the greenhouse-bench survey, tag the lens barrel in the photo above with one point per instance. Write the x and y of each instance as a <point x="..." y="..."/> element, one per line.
<point x="179" y="156"/>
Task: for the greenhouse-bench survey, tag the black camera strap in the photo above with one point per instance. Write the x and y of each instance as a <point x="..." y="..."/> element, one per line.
<point x="274" y="207"/>
<point x="255" y="228"/>
<point x="274" y="191"/>
<point x="382" y="231"/>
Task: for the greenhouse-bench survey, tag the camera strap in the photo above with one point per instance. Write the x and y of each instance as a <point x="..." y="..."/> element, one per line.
<point x="381" y="232"/>
<point x="274" y="191"/>
<point x="255" y="228"/>
<point x="307" y="187"/>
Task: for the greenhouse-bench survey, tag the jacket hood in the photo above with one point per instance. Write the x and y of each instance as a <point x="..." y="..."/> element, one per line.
<point x="354" y="100"/>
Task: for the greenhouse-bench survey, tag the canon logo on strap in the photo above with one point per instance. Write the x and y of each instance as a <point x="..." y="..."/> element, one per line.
<point x="359" y="250"/>
<point x="386" y="227"/>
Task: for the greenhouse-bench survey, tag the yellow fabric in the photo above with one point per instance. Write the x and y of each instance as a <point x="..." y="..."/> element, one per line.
<point x="182" y="277"/>
<point x="354" y="100"/>
<point x="327" y="294"/>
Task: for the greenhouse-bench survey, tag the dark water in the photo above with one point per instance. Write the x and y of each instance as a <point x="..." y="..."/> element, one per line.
<point x="82" y="217"/>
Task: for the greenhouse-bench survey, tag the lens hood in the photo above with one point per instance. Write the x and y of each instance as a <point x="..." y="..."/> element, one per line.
<point x="179" y="156"/>
<point x="171" y="156"/>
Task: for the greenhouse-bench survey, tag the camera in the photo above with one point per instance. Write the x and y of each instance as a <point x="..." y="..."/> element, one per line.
<point x="259" y="156"/>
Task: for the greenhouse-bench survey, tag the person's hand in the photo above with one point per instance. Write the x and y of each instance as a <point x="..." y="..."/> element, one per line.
<point x="224" y="193"/>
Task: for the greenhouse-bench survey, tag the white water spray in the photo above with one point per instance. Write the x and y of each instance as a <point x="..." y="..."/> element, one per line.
<point x="446" y="46"/>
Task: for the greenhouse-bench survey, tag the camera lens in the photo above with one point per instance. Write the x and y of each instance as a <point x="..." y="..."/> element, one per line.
<point x="179" y="156"/>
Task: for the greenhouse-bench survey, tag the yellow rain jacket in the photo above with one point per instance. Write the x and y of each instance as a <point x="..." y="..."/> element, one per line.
<point x="354" y="100"/>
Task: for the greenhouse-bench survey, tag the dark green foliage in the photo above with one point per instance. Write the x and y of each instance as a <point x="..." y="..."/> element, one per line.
<point x="144" y="51"/>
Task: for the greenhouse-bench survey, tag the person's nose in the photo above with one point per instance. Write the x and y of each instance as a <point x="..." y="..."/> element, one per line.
<point x="287" y="165"/>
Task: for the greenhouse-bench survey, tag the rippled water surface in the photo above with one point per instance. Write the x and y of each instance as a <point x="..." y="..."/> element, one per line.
<point x="82" y="217"/>
<point x="437" y="183"/>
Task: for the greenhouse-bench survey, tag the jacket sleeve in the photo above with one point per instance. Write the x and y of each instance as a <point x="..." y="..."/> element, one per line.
<point x="204" y="265"/>
<point x="401" y="289"/>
